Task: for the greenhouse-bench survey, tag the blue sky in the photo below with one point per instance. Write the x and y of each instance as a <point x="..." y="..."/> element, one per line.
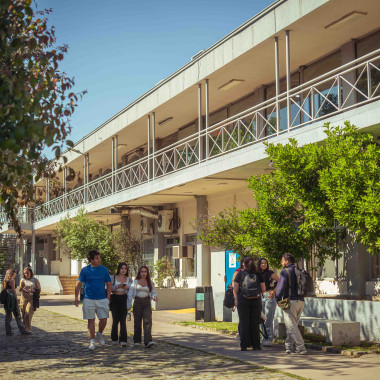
<point x="119" y="49"/>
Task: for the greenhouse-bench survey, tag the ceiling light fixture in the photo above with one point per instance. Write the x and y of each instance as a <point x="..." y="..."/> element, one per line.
<point x="350" y="17"/>
<point x="162" y="122"/>
<point x="230" y="84"/>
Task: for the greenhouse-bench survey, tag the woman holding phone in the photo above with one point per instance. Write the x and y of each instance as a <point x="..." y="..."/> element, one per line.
<point x="118" y="304"/>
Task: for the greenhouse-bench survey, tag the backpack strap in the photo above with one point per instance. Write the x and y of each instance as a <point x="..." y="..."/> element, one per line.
<point x="289" y="281"/>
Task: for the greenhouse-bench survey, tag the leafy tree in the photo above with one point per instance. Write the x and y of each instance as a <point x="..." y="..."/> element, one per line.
<point x="35" y="102"/>
<point x="82" y="233"/>
<point x="164" y="268"/>
<point x="316" y="194"/>
<point x="129" y="248"/>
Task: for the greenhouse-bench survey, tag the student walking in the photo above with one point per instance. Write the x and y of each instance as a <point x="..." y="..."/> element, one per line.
<point x="292" y="314"/>
<point x="268" y="301"/>
<point x="142" y="290"/>
<point x="96" y="298"/>
<point x="30" y="289"/>
<point x="118" y="305"/>
<point x="11" y="304"/>
<point x="248" y="286"/>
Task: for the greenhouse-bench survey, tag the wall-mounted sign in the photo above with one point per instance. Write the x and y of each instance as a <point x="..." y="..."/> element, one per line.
<point x="231" y="260"/>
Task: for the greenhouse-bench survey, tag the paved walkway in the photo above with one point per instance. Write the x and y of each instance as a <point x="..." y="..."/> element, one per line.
<point x="63" y="343"/>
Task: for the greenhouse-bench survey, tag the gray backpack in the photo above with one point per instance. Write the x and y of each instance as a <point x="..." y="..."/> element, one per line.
<point x="250" y="285"/>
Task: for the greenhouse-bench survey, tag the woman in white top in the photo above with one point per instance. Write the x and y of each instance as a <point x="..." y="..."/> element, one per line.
<point x="142" y="290"/>
<point x="29" y="285"/>
<point x="118" y="304"/>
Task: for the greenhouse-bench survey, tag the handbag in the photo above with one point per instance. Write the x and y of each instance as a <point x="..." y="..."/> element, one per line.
<point x="285" y="302"/>
<point x="4" y="296"/>
<point x="229" y="300"/>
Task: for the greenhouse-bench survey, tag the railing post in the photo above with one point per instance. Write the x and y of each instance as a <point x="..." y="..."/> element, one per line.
<point x="65" y="188"/>
<point x="277" y="74"/>
<point x="369" y="81"/>
<point x="339" y="84"/>
<point x="288" y="103"/>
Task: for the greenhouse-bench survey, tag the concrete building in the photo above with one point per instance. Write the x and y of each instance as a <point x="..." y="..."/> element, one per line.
<point x="185" y="148"/>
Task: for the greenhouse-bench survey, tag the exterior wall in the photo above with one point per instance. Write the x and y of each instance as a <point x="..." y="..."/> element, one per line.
<point x="50" y="284"/>
<point x="175" y="299"/>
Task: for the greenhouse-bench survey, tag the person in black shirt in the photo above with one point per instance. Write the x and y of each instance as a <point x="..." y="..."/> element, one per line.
<point x="269" y="301"/>
<point x="248" y="286"/>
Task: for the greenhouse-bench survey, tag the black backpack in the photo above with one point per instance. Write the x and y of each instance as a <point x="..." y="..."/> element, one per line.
<point x="229" y="300"/>
<point x="305" y="284"/>
<point x="250" y="285"/>
<point x="4" y="296"/>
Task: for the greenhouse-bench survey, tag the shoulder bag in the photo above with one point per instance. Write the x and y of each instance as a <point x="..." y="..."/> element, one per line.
<point x="285" y="302"/>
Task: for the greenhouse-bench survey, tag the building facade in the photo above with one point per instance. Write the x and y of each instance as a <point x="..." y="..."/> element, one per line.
<point x="185" y="148"/>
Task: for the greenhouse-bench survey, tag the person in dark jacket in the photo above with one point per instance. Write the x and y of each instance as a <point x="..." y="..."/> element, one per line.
<point x="292" y="315"/>
<point x="249" y="281"/>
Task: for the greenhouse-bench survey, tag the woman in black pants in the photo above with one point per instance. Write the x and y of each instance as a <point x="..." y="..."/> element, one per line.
<point x="142" y="291"/>
<point x="248" y="286"/>
<point x="118" y="304"/>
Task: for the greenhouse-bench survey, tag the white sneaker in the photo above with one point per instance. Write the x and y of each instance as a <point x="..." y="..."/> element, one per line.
<point x="149" y="344"/>
<point x="136" y="344"/>
<point x="114" y="342"/>
<point x="100" y="338"/>
<point x="267" y="343"/>
<point x="92" y="345"/>
<point x="288" y="351"/>
<point x="123" y="344"/>
<point x="301" y="352"/>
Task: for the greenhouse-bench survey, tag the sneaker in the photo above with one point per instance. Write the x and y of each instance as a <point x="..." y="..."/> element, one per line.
<point x="100" y="338"/>
<point x="92" y="345"/>
<point x="149" y="344"/>
<point x="267" y="343"/>
<point x="288" y="351"/>
<point x="114" y="342"/>
<point x="136" y="344"/>
<point x="301" y="352"/>
<point x="10" y="334"/>
<point x="123" y="344"/>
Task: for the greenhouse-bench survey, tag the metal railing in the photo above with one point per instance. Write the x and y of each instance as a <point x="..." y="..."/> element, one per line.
<point x="24" y="215"/>
<point x="351" y="85"/>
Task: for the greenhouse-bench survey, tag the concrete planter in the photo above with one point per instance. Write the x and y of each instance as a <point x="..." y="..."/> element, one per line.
<point x="372" y="288"/>
<point x="175" y="299"/>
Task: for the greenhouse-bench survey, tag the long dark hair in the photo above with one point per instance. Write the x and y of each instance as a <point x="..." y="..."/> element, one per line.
<point x="119" y="267"/>
<point x="249" y="264"/>
<point x="242" y="262"/>
<point x="259" y="265"/>
<point x="148" y="280"/>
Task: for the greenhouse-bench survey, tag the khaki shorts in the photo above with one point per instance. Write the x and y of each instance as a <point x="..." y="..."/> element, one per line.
<point x="99" y="307"/>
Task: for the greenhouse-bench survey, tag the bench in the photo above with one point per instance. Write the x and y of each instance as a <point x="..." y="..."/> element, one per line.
<point x="337" y="332"/>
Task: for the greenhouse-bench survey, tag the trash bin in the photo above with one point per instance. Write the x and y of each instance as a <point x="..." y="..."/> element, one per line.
<point x="204" y="304"/>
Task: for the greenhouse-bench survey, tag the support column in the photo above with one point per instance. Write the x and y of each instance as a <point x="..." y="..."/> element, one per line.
<point x="84" y="177"/>
<point x="288" y="84"/>
<point x="153" y="144"/>
<point x="200" y="125"/>
<point x="113" y="163"/>
<point x="358" y="264"/>
<point x="148" y="147"/>
<point x="47" y="190"/>
<point x="207" y="117"/>
<point x="33" y="253"/>
<point x="64" y="180"/>
<point x="348" y="52"/>
<point x="260" y="124"/>
<point x="203" y="252"/>
<point x="277" y="75"/>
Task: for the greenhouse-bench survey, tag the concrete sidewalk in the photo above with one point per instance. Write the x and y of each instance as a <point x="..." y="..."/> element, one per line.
<point x="315" y="365"/>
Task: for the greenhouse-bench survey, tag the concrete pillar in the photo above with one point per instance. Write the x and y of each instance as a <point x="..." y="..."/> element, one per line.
<point x="203" y="252"/>
<point x="348" y="52"/>
<point x="33" y="254"/>
<point x="159" y="243"/>
<point x="358" y="266"/>
<point x="259" y="98"/>
<point x="125" y="222"/>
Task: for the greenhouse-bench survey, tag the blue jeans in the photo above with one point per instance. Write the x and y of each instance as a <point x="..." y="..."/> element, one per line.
<point x="269" y="308"/>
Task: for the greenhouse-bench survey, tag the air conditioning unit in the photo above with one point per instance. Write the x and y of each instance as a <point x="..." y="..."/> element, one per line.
<point x="164" y="219"/>
<point x="144" y="225"/>
<point x="183" y="252"/>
